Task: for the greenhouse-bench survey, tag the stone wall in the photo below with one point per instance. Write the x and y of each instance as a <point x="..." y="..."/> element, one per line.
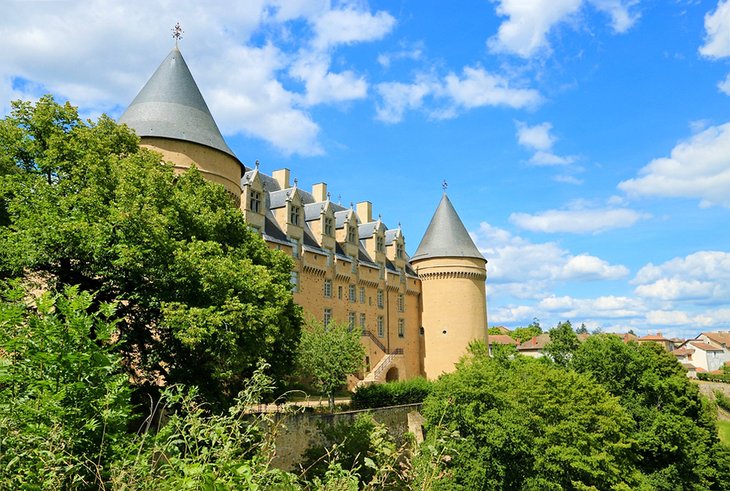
<point x="295" y="432"/>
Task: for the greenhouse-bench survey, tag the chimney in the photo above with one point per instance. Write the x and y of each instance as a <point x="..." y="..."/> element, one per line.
<point x="319" y="191"/>
<point x="282" y="177"/>
<point x="365" y="211"/>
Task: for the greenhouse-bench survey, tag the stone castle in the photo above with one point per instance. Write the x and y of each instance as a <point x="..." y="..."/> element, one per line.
<point x="416" y="314"/>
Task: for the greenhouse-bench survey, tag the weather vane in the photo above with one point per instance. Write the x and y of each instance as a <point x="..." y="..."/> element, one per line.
<point x="444" y="185"/>
<point x="177" y="33"/>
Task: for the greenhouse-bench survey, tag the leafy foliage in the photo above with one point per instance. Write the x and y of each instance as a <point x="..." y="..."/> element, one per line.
<point x="328" y="354"/>
<point x="563" y="343"/>
<point x="522" y="334"/>
<point x="64" y="399"/>
<point x="526" y="424"/>
<point x="200" y="297"/>
<point x="722" y="400"/>
<point x="391" y="394"/>
<point x="673" y="427"/>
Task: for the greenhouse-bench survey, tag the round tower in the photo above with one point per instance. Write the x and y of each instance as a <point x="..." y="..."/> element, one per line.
<point x="453" y="274"/>
<point x="171" y="117"/>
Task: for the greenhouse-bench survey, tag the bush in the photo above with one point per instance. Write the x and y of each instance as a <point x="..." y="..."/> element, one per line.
<point x="391" y="394"/>
<point x="715" y="377"/>
<point x="722" y="400"/>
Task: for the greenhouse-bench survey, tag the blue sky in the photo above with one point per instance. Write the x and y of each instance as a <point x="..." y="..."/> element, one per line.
<point x="586" y="143"/>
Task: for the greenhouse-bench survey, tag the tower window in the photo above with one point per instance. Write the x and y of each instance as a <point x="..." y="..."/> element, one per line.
<point x="254" y="201"/>
<point x="379" y="244"/>
<point x="401" y="303"/>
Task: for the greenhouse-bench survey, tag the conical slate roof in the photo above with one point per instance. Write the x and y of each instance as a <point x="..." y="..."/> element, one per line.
<point x="170" y="106"/>
<point x="446" y="236"/>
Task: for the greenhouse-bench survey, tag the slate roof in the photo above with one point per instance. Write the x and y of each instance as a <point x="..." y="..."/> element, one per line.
<point x="170" y="105"/>
<point x="446" y="236"/>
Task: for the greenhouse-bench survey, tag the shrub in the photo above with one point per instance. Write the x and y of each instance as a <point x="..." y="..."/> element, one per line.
<point x="715" y="377"/>
<point x="722" y="400"/>
<point x="391" y="394"/>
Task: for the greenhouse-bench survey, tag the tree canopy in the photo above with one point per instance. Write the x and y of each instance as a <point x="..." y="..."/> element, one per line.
<point x="200" y="296"/>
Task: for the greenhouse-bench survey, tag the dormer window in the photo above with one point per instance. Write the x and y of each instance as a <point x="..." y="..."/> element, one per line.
<point x="294" y="214"/>
<point x="399" y="253"/>
<point x="351" y="234"/>
<point x="254" y="201"/>
<point x="379" y="244"/>
<point x="328" y="226"/>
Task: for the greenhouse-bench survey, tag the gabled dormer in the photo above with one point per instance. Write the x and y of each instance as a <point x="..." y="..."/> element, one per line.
<point x="253" y="203"/>
<point x="395" y="247"/>
<point x="346" y="232"/>
<point x="288" y="209"/>
<point x="372" y="236"/>
<point x="320" y="217"/>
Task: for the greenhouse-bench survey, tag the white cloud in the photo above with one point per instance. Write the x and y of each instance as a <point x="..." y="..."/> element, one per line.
<point x="724" y="85"/>
<point x="529" y="22"/>
<point x="697" y="168"/>
<point x="588" y="267"/>
<point x="539" y="139"/>
<point x="717" y="32"/>
<point x="477" y="88"/>
<point x="577" y="221"/>
<point x="398" y="97"/>
<point x="701" y="277"/>
<point x="349" y="26"/>
<point x="324" y="86"/>
<point x="414" y="53"/>
<point x="568" y="179"/>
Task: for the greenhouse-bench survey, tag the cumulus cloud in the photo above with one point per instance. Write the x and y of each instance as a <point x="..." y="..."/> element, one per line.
<point x="724" y="85"/>
<point x="474" y="88"/>
<point x="696" y="168"/>
<point x="577" y="221"/>
<point x="529" y="22"/>
<point x="717" y="32"/>
<point x="539" y="139"/>
<point x="324" y="86"/>
<point x="702" y="277"/>
<point x="349" y="25"/>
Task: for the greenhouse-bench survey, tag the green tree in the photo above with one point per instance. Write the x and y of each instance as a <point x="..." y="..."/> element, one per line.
<point x="201" y="296"/>
<point x="563" y="343"/>
<point x="673" y="426"/>
<point x="64" y="397"/>
<point x="522" y="334"/>
<point x="524" y="424"/>
<point x="328" y="354"/>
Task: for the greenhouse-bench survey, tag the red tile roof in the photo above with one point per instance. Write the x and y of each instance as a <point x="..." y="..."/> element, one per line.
<point x="722" y="338"/>
<point x="704" y="346"/>
<point x="501" y="339"/>
<point x="683" y="351"/>
<point x="536" y="343"/>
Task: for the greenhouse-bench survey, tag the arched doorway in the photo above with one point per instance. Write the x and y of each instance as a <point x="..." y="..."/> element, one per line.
<point x="392" y="375"/>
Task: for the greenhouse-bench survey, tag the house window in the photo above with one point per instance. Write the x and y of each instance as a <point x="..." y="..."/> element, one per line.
<point x="381" y="327"/>
<point x="339" y="292"/>
<point x="362" y="294"/>
<point x="380" y="299"/>
<point x="254" y="201"/>
<point x="294" y="247"/>
<point x="294" y="281"/>
<point x="328" y="288"/>
<point x="352" y="293"/>
<point x="351" y="320"/>
<point x="294" y="213"/>
<point x="401" y="303"/>
<point x="362" y="321"/>
<point x="379" y="244"/>
<point x="327" y="317"/>
<point x="401" y="328"/>
<point x="328" y="226"/>
<point x="351" y="234"/>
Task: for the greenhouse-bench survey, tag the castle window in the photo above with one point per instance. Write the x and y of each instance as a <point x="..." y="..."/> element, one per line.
<point x="380" y="299"/>
<point x="399" y="250"/>
<point x="362" y="321"/>
<point x="294" y="280"/>
<point x="362" y="294"/>
<point x="352" y="293"/>
<point x="294" y="213"/>
<point x="327" y="317"/>
<point x="381" y="327"/>
<point x="351" y="320"/>
<point x="379" y="244"/>
<point x="339" y="292"/>
<point x="328" y="288"/>
<point x="294" y="247"/>
<point x="401" y="303"/>
<point x="254" y="201"/>
<point x="328" y="226"/>
<point x="401" y="328"/>
<point x="354" y="266"/>
<point x="351" y="234"/>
